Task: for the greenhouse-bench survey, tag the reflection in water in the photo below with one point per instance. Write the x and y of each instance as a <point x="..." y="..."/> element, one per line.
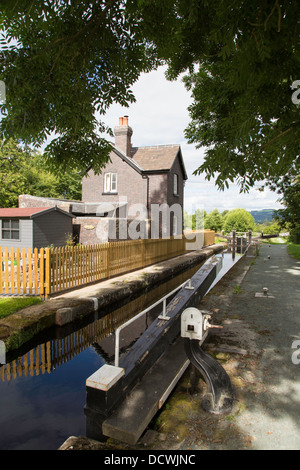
<point x="42" y="391"/>
<point x="56" y="352"/>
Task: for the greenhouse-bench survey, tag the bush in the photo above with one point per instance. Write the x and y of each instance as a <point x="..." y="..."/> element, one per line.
<point x="239" y="220"/>
<point x="271" y="229"/>
<point x="214" y="221"/>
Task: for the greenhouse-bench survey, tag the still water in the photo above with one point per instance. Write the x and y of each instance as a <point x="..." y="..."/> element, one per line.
<point x="42" y="387"/>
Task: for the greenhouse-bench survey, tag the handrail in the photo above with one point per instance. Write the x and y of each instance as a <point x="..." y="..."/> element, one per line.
<point x="131" y="320"/>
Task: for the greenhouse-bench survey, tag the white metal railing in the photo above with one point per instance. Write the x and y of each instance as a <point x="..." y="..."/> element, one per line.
<point x="161" y="317"/>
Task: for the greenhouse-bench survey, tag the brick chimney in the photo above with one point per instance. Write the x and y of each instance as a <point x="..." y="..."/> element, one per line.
<point x="123" y="133"/>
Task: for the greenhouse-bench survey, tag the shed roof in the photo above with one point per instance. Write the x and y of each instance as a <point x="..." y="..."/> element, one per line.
<point x="28" y="212"/>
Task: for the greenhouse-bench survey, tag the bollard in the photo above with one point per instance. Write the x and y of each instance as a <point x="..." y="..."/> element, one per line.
<point x="103" y="393"/>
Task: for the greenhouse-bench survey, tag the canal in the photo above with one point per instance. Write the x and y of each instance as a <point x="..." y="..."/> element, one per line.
<point x="42" y="386"/>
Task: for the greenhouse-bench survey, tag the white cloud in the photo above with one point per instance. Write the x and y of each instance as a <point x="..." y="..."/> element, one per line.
<point x="160" y="116"/>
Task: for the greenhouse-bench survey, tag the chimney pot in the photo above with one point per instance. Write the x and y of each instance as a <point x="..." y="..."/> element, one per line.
<point x="123" y="133"/>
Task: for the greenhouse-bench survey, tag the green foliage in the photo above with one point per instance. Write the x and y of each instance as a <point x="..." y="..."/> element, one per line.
<point x="187" y="221"/>
<point x="294" y="250"/>
<point x="67" y="61"/>
<point x="271" y="229"/>
<point x="22" y="172"/>
<point x="239" y="220"/>
<point x="198" y="219"/>
<point x="12" y="180"/>
<point x="214" y="220"/>
<point x="290" y="215"/>
<point x="240" y="59"/>
<point x="194" y="221"/>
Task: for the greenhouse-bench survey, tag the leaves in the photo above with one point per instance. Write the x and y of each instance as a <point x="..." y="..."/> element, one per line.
<point x="63" y="63"/>
<point x="240" y="59"/>
<point x="72" y="59"/>
<point x="290" y="216"/>
<point x="23" y="172"/>
<point x="239" y="220"/>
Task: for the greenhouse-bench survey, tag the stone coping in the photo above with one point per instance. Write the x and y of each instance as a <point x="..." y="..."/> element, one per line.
<point x="20" y="327"/>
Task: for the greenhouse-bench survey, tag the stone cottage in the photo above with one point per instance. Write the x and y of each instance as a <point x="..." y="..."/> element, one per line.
<point x="137" y="183"/>
<point x="139" y="193"/>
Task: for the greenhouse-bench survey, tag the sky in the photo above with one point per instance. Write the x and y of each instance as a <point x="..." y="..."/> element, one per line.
<point x="159" y="117"/>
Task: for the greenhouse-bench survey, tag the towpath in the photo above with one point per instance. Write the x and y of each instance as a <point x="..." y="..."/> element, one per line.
<point x="266" y="368"/>
<point x="257" y="347"/>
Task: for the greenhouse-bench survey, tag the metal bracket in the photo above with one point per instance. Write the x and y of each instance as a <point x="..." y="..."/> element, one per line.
<point x="189" y="286"/>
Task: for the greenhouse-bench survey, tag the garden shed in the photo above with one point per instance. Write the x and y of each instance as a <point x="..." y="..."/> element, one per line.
<point x="34" y="227"/>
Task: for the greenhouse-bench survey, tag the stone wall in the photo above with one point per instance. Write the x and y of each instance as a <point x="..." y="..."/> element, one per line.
<point x="25" y="200"/>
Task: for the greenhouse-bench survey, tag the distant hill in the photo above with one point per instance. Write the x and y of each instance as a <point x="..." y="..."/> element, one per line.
<point x="262" y="215"/>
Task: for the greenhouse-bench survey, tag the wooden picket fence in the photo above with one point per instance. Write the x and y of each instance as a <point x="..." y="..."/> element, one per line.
<point x="25" y="271"/>
<point x="51" y="270"/>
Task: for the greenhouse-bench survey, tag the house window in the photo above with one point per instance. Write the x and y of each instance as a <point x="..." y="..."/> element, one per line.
<point x="175" y="184"/>
<point x="110" y="182"/>
<point x="10" y="229"/>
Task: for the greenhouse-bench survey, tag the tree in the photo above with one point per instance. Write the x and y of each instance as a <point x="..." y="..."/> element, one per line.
<point x="12" y="180"/>
<point x="39" y="181"/>
<point x="214" y="221"/>
<point x="198" y="219"/>
<point x="22" y="172"/>
<point x="271" y="229"/>
<point x="63" y="62"/>
<point x="187" y="220"/>
<point x="239" y="220"/>
<point x="241" y="59"/>
<point x="71" y="59"/>
<point x="224" y="212"/>
<point x="290" y="215"/>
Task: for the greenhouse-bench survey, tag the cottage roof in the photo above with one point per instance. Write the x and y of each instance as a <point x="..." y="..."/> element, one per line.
<point x="28" y="212"/>
<point x="157" y="158"/>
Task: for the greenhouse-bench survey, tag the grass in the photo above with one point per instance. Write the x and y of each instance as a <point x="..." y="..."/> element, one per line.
<point x="220" y="240"/>
<point x="10" y="305"/>
<point x="294" y="250"/>
<point x="275" y="241"/>
<point x="237" y="289"/>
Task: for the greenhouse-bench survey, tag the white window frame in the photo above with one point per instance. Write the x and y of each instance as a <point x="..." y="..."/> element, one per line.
<point x="110" y="182"/>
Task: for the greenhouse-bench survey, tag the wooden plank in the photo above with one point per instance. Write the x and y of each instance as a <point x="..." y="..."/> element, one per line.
<point x="6" y="270"/>
<point x="18" y="260"/>
<point x="36" y="270"/>
<point x="30" y="277"/>
<point x="48" y="273"/>
<point x="42" y="271"/>
<point x="12" y="270"/>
